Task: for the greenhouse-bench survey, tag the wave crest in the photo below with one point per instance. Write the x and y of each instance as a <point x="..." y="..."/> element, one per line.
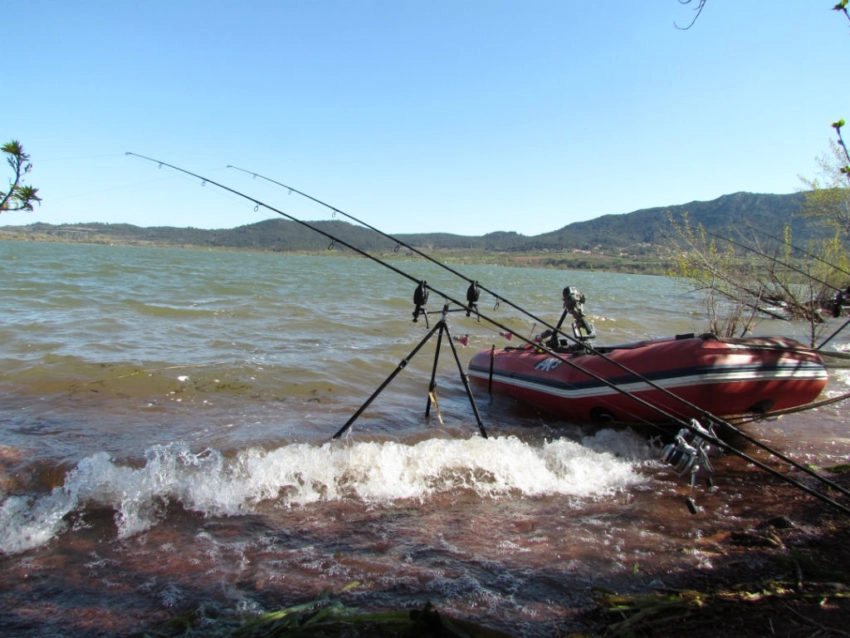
<point x="211" y="484"/>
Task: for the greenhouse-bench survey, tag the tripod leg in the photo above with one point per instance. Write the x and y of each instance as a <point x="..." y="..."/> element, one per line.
<point x="401" y="366"/>
<point x="433" y="384"/>
<point x="465" y="379"/>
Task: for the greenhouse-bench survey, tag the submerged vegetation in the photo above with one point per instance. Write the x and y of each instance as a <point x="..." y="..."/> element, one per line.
<point x="789" y="577"/>
<point x="325" y="618"/>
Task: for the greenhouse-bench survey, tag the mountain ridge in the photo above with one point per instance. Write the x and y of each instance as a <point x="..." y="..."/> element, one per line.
<point x="639" y="232"/>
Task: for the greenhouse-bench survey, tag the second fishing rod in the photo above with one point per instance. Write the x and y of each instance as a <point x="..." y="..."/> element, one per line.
<point x="472" y="297"/>
<point x="422" y="284"/>
<point x="474" y="284"/>
<point x="720" y="444"/>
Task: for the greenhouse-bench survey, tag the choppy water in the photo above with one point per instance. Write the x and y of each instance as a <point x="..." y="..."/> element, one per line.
<point x="165" y="424"/>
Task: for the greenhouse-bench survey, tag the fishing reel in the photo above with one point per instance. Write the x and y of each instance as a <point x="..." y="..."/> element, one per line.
<point x="420" y="298"/>
<point x="842" y="298"/>
<point x="688" y="454"/>
<point x="472" y="295"/>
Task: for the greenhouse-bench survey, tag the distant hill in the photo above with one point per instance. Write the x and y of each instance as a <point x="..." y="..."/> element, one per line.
<point x="650" y="226"/>
<point x="639" y="232"/>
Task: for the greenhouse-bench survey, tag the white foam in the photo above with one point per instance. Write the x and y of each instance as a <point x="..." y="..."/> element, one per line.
<point x="300" y="474"/>
<point x="839" y="376"/>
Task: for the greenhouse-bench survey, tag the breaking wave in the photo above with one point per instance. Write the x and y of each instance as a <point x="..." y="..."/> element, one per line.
<point x="211" y="484"/>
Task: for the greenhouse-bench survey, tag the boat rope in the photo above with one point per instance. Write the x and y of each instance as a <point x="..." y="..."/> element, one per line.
<point x="834" y="359"/>
<point x="421" y="282"/>
<point x="556" y="330"/>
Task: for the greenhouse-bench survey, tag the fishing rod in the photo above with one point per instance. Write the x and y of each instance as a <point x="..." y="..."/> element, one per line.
<point x="422" y="284"/>
<point x="555" y="329"/>
<point x="474" y="284"/>
<point x="713" y="439"/>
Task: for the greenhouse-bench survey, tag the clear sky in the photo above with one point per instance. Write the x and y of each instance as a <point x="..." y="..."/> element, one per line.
<point x="463" y="116"/>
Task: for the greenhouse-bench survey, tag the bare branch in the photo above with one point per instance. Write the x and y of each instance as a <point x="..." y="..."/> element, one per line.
<point x="698" y="10"/>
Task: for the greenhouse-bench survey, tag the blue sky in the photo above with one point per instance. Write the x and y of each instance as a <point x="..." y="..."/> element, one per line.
<point x="463" y="116"/>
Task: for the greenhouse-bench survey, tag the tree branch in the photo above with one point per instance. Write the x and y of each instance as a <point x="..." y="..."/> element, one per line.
<point x="18" y="197"/>
<point x="698" y="10"/>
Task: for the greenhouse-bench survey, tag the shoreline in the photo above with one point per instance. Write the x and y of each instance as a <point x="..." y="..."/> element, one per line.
<point x="544" y="259"/>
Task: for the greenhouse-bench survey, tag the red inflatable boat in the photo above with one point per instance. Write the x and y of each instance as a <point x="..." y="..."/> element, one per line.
<point x="634" y="382"/>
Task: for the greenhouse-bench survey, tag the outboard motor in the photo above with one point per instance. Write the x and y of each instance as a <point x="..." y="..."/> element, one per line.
<point x="574" y="304"/>
<point x="582" y="328"/>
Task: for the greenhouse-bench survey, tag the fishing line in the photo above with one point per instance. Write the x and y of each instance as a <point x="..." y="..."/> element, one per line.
<point x="397" y="241"/>
<point x="714" y="440"/>
<point x="424" y="255"/>
<point x="810" y="406"/>
<point x="797" y="248"/>
<point x="479" y="285"/>
<point x="838" y="331"/>
<point x="809" y="276"/>
<point x="775" y="260"/>
<point x="705" y="414"/>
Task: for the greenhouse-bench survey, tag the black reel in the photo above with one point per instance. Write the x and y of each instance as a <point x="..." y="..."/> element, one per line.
<point x="842" y="298"/>
<point x="472" y="295"/>
<point x="420" y="298"/>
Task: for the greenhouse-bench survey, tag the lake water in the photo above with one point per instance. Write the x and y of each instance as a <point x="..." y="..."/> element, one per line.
<point x="165" y="444"/>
